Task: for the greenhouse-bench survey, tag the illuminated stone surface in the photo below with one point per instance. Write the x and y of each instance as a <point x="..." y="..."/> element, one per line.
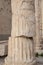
<point x="21" y="44"/>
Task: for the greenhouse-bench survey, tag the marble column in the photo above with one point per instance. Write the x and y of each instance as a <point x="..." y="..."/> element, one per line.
<point x="21" y="43"/>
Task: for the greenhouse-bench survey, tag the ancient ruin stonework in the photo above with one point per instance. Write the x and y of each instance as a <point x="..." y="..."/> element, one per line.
<point x="5" y="25"/>
<point x="39" y="25"/>
<point x="5" y="17"/>
<point x="37" y="16"/>
<point x="23" y="18"/>
<point x="23" y="28"/>
<point x="21" y="44"/>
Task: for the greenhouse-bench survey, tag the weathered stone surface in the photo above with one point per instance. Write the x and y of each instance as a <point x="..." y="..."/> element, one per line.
<point x="5" y="24"/>
<point x="23" y="18"/>
<point x="5" y="16"/>
<point x="8" y="61"/>
<point x="3" y="48"/>
<point x="21" y="44"/>
<point x="21" y="49"/>
<point x="38" y="20"/>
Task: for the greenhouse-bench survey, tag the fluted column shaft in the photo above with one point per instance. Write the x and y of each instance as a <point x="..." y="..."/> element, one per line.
<point x="21" y="44"/>
<point x="23" y="18"/>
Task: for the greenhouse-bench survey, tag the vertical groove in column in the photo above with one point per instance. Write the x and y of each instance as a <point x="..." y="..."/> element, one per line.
<point x="16" y="49"/>
<point x="31" y="47"/>
<point x="20" y="44"/>
<point x="24" y="49"/>
<point x="13" y="48"/>
<point x="27" y="48"/>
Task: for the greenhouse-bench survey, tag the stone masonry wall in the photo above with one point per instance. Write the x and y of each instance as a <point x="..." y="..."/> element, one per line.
<point x="5" y="17"/>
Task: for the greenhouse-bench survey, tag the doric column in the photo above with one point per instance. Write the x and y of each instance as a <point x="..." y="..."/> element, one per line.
<point x="21" y="44"/>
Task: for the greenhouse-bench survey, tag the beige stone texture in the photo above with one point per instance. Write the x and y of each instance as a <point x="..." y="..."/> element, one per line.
<point x="20" y="51"/>
<point x="8" y="61"/>
<point x="3" y="48"/>
<point x="5" y="25"/>
<point x="38" y="20"/>
<point x="21" y="44"/>
<point x="39" y="25"/>
<point x="23" y="18"/>
<point x="5" y="17"/>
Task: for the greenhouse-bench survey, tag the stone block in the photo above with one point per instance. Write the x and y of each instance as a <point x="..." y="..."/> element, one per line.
<point x="3" y="48"/>
<point x="21" y="49"/>
<point x="23" y="18"/>
<point x="23" y="28"/>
